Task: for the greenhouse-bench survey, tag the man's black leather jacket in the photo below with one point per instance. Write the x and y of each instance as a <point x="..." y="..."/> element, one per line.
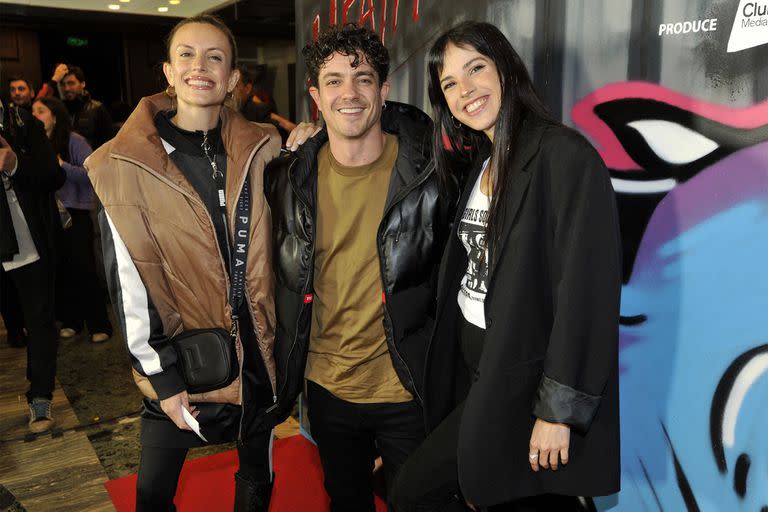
<point x="411" y="237"/>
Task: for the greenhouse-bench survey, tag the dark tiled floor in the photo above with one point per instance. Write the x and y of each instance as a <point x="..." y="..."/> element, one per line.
<point x="99" y="400"/>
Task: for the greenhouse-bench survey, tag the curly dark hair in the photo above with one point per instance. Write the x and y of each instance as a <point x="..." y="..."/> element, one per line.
<point x="349" y="39"/>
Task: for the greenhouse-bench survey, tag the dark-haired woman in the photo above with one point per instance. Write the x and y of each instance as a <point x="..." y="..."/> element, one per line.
<point x="186" y="236"/>
<point x="521" y="384"/>
<point x="80" y="300"/>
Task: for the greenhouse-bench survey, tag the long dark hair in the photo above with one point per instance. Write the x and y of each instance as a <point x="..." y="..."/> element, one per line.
<point x="62" y="126"/>
<point x="518" y="101"/>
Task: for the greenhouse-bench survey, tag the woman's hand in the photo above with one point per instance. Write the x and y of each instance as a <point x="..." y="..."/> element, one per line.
<point x="549" y="441"/>
<point x="172" y="407"/>
<point x="60" y="160"/>
<point x="300" y="135"/>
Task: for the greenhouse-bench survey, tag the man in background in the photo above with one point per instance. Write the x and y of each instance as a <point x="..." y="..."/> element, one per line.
<point x="21" y="91"/>
<point x="52" y="88"/>
<point x="256" y="110"/>
<point x="90" y="118"/>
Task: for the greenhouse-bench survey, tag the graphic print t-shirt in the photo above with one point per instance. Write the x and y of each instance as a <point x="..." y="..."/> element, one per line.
<point x="471" y="232"/>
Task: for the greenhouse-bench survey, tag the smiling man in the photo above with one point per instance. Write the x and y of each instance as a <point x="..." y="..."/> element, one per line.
<point x="359" y="223"/>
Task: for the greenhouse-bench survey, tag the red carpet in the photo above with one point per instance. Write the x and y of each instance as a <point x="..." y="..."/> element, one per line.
<point x="207" y="484"/>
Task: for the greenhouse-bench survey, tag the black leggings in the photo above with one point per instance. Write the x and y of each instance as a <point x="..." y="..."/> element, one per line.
<point x="80" y="297"/>
<point x="159" y="471"/>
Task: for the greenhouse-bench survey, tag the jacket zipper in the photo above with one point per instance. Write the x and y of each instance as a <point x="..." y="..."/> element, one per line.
<point x="246" y="294"/>
<point x="387" y="317"/>
<point x="218" y="249"/>
<point x="305" y="288"/>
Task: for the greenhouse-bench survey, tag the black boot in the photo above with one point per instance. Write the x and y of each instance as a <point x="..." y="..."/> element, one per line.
<point x="251" y="496"/>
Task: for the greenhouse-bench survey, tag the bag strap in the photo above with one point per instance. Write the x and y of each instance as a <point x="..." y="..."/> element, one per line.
<point x="237" y="260"/>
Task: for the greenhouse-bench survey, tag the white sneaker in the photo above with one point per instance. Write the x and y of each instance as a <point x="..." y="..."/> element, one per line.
<point x="99" y="337"/>
<point x="66" y="333"/>
<point x="40" y="416"/>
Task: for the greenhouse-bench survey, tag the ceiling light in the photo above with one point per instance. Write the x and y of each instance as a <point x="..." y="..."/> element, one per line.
<point x="162" y="9"/>
<point x="174" y="2"/>
<point x="125" y="1"/>
<point x="113" y="7"/>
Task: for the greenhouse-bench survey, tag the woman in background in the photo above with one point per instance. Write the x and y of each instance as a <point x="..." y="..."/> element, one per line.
<point x="80" y="298"/>
<point x="521" y="382"/>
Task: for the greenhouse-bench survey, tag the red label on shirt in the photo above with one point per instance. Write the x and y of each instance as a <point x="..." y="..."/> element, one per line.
<point x="308" y="298"/>
<point x="383" y="298"/>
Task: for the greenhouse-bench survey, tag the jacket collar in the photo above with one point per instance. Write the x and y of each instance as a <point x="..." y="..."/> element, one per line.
<point x="526" y="148"/>
<point x="455" y="258"/>
<point x="531" y="132"/>
<point x="78" y="102"/>
<point x="139" y="141"/>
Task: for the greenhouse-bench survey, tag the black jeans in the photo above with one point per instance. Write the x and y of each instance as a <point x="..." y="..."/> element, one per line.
<point x="10" y="308"/>
<point x="349" y="436"/>
<point x="159" y="471"/>
<point x="80" y="296"/>
<point x="34" y="285"/>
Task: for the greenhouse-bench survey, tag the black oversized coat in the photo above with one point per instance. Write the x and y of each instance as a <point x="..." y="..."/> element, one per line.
<point x="551" y="342"/>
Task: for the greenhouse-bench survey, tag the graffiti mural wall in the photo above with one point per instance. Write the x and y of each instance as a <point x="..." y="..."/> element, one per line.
<point x="674" y="95"/>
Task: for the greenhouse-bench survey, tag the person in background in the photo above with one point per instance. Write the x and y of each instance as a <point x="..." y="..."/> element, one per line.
<point x="521" y="383"/>
<point x="29" y="228"/>
<point x="21" y="92"/>
<point x="359" y="223"/>
<point x="256" y="110"/>
<point x="178" y="186"/>
<point x="81" y="301"/>
<point x="90" y="118"/>
<point x="52" y="88"/>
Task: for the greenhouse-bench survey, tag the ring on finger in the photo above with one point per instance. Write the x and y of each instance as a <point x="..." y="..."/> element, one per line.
<point x="533" y="456"/>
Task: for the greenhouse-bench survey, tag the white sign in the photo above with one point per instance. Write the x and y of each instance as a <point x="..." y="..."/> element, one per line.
<point x="686" y="27"/>
<point x="750" y="28"/>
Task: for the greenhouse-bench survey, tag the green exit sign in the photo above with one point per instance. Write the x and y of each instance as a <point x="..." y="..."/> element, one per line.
<point x="76" y="41"/>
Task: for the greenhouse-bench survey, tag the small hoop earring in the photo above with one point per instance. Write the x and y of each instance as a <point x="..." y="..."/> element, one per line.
<point x="456" y="124"/>
<point x="384" y="105"/>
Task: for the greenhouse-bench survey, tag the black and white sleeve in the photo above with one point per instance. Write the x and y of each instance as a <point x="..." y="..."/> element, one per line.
<point x="149" y="347"/>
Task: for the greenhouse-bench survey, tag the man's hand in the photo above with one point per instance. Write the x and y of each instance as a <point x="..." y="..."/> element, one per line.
<point x="549" y="442"/>
<point x="172" y="407"/>
<point x="60" y="72"/>
<point x="8" y="158"/>
<point x="301" y="134"/>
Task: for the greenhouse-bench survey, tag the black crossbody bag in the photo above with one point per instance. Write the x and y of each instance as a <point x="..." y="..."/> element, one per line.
<point x="207" y="358"/>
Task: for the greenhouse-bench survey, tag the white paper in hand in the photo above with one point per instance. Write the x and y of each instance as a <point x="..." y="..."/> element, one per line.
<point x="192" y="422"/>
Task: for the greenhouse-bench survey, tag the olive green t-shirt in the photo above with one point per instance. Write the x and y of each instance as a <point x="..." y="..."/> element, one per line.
<point x="348" y="352"/>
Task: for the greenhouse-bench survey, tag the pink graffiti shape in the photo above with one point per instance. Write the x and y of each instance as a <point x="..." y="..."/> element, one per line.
<point x="609" y="147"/>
